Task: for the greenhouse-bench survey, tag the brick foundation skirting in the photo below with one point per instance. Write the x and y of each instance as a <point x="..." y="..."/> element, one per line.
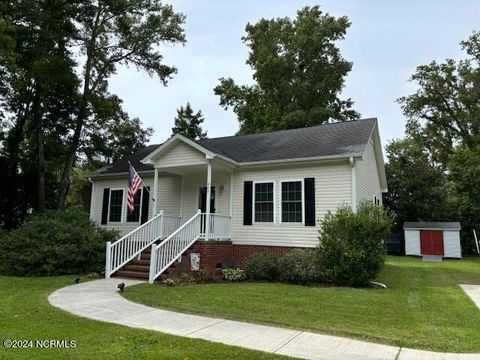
<point x="215" y="254"/>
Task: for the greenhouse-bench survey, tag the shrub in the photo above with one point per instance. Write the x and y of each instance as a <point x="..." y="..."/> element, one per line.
<point x="54" y="243"/>
<point x="351" y="244"/>
<point x="208" y="276"/>
<point x="300" y="266"/>
<point x="262" y="266"/>
<point x="234" y="274"/>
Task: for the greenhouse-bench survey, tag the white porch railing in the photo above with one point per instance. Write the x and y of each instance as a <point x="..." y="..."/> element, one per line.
<point x="131" y="245"/>
<point x="220" y="226"/>
<point x="168" y="251"/>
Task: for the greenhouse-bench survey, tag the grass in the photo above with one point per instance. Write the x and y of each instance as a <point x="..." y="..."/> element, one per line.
<point x="423" y="307"/>
<point x="26" y="314"/>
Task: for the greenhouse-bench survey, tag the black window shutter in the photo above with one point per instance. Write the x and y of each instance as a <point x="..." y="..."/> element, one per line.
<point x="106" y="196"/>
<point x="309" y="193"/>
<point x="247" y="202"/>
<point x="145" y="203"/>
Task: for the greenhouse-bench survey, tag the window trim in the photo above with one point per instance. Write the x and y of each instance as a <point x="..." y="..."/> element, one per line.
<point x="303" y="202"/>
<point x="141" y="208"/>
<point x="122" y="210"/>
<point x="274" y="200"/>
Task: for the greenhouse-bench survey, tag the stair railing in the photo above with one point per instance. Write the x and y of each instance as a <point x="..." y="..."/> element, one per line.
<point x="171" y="249"/>
<point x="127" y="248"/>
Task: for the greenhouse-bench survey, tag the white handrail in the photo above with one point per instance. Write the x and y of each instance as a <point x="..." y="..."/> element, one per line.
<point x="168" y="251"/>
<point x="220" y="226"/>
<point x="125" y="249"/>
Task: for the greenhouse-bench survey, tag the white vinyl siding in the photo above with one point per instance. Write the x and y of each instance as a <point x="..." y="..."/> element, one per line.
<point x="180" y="154"/>
<point x="412" y="242"/>
<point x="168" y="199"/>
<point x="367" y="179"/>
<point x="451" y="244"/>
<point x="332" y="189"/>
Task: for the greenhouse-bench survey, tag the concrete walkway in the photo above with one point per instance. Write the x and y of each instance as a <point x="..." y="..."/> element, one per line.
<point x="99" y="300"/>
<point x="473" y="292"/>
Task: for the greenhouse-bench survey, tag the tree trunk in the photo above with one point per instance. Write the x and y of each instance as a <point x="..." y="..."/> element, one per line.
<point x="82" y="116"/>
<point x="38" y="124"/>
<point x="14" y="139"/>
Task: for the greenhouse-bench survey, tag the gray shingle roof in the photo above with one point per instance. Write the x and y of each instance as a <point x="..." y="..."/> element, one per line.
<point x="432" y="225"/>
<point x="335" y="139"/>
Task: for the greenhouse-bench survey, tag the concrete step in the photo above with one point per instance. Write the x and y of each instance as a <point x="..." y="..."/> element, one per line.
<point x="432" y="258"/>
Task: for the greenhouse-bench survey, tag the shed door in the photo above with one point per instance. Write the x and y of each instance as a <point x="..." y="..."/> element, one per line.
<point x="431" y="242"/>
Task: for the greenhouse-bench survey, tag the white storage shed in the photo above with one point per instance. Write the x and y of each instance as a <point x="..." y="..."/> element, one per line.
<point x="433" y="238"/>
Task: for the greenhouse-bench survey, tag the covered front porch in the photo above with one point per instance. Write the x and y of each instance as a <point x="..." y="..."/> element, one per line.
<point x="195" y="184"/>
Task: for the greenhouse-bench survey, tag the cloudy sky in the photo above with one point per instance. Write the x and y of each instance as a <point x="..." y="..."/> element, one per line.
<point x="386" y="41"/>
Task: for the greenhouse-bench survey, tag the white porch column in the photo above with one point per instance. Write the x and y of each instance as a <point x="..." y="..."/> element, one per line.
<point x="209" y="194"/>
<point x="231" y="194"/>
<point x="155" y="192"/>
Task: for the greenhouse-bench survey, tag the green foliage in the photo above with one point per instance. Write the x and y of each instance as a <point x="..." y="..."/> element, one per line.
<point x="464" y="166"/>
<point x="234" y="274"/>
<point x="417" y="188"/>
<point x="59" y="105"/>
<point x="298" y="72"/>
<point x="443" y="112"/>
<point x="189" y="124"/>
<point x="300" y="266"/>
<point x="54" y="243"/>
<point x="261" y="266"/>
<point x="351" y="244"/>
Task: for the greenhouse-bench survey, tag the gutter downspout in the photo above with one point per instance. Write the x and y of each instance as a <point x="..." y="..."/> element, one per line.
<point x="354" y="184"/>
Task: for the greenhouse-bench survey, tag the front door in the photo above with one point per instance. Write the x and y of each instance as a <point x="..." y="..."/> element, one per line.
<point x="431" y="242"/>
<point x="202" y="203"/>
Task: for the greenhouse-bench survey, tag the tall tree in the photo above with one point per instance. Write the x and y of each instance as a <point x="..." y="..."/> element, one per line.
<point x="188" y="123"/>
<point x="114" y="33"/>
<point x="298" y="74"/>
<point x="43" y="81"/>
<point x="418" y="188"/>
<point x="445" y="111"/>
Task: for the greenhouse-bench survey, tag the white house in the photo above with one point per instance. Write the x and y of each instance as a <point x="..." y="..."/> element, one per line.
<point x="268" y="192"/>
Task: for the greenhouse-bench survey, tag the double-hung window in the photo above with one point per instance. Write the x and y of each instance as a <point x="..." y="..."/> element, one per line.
<point x="115" y="207"/>
<point x="134" y="216"/>
<point x="292" y="202"/>
<point x="263" y="204"/>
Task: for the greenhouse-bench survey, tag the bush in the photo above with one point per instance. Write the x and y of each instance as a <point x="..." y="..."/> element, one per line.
<point x="261" y="266"/>
<point x="300" y="266"/>
<point x="208" y="276"/>
<point x="351" y="244"/>
<point x="234" y="274"/>
<point x="54" y="243"/>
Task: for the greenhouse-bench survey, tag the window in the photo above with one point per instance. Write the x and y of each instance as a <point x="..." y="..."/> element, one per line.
<point x="134" y="216"/>
<point x="292" y="201"/>
<point x="115" y="208"/>
<point x="263" y="202"/>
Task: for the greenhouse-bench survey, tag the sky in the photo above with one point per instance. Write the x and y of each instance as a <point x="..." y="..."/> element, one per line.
<point x="386" y="42"/>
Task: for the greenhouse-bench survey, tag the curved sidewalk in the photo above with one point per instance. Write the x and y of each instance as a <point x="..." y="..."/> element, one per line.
<point x="99" y="300"/>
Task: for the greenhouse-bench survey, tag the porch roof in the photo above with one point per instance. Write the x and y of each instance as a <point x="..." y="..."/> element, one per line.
<point x="342" y="139"/>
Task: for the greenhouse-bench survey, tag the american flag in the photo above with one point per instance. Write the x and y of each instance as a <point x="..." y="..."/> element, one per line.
<point x="134" y="183"/>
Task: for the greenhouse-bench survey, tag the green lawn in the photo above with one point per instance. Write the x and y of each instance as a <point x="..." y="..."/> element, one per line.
<point x="422" y="308"/>
<point x="26" y="314"/>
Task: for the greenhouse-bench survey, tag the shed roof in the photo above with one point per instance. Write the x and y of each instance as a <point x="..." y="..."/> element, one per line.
<point x="432" y="225"/>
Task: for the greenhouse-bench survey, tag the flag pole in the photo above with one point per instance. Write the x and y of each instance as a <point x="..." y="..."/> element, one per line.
<point x="145" y="187"/>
